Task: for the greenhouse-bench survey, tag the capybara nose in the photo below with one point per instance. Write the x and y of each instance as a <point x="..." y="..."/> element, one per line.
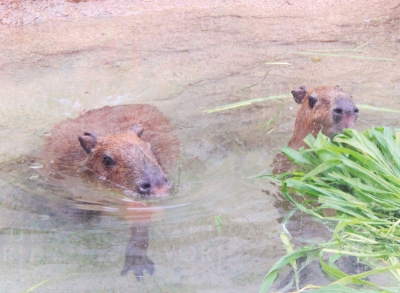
<point x="164" y="180"/>
<point x="347" y="111"/>
<point x="154" y="187"/>
<point x="161" y="186"/>
<point x="345" y="106"/>
<point x="144" y="187"/>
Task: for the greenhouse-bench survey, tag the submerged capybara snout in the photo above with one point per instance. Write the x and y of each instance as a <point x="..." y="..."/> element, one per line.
<point x="153" y="182"/>
<point x="125" y="160"/>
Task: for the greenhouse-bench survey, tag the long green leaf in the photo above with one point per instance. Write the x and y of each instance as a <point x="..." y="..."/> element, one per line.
<point x="285" y="260"/>
<point x="322" y="168"/>
<point x="245" y="103"/>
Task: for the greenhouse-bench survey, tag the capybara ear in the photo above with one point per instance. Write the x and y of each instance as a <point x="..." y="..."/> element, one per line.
<point x="88" y="141"/>
<point x="138" y="129"/>
<point x="312" y="100"/>
<point x="299" y="94"/>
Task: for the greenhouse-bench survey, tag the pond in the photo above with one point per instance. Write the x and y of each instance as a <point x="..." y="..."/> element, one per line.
<point x="219" y="230"/>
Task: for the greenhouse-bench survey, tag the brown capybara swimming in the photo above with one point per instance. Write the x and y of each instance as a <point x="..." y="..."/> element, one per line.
<point x="127" y="146"/>
<point x="328" y="109"/>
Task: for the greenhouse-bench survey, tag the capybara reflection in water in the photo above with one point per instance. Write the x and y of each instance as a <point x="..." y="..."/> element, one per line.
<point x="328" y="109"/>
<point x="127" y="146"/>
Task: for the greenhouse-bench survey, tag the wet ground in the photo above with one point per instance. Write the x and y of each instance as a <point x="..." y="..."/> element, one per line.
<point x="219" y="232"/>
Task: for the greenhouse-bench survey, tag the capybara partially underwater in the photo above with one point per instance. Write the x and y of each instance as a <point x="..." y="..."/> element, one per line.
<point x="328" y="109"/>
<point x="126" y="146"/>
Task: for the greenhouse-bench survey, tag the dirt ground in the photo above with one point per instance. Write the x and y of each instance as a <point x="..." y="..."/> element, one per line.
<point x="339" y="12"/>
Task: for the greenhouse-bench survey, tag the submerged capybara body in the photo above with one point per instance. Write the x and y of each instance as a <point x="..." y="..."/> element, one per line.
<point x="328" y="109"/>
<point x="128" y="146"/>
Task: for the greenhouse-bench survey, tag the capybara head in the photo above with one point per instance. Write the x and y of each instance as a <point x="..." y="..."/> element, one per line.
<point x="327" y="109"/>
<point x="125" y="160"/>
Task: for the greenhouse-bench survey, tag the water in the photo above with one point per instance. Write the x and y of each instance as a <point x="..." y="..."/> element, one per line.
<point x="220" y="231"/>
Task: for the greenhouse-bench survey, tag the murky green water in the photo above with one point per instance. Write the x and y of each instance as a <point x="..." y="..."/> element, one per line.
<point x="220" y="231"/>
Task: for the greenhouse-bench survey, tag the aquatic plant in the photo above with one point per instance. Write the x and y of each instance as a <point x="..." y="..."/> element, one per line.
<point x="358" y="176"/>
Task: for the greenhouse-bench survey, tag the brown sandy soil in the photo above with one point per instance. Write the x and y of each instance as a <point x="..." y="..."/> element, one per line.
<point x="20" y="12"/>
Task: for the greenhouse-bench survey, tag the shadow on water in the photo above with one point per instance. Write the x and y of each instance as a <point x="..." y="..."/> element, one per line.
<point x="218" y="232"/>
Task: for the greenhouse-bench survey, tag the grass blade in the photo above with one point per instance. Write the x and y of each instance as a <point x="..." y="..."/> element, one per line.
<point x="245" y="103"/>
<point x="344" y="56"/>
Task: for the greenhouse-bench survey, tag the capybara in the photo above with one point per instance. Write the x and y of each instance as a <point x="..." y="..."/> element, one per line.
<point x="328" y="109"/>
<point x="127" y="146"/>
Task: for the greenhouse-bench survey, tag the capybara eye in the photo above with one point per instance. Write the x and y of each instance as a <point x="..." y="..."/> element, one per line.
<point x="356" y="110"/>
<point x="108" y="161"/>
<point x="338" y="111"/>
<point x="312" y="101"/>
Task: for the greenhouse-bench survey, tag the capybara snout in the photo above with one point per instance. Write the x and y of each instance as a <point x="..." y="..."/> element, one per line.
<point x="126" y="160"/>
<point x="345" y="114"/>
<point x="152" y="182"/>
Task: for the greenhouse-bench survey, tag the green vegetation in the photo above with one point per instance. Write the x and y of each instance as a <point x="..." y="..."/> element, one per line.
<point x="358" y="176"/>
<point x="36" y="286"/>
<point x="346" y="55"/>
<point x="343" y="56"/>
<point x="246" y="103"/>
<point x="218" y="223"/>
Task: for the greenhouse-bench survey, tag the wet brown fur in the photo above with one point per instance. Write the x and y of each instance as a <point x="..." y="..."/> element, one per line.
<point x="320" y="117"/>
<point x="135" y="158"/>
<point x="313" y="120"/>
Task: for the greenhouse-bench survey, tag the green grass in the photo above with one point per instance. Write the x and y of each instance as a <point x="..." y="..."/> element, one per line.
<point x="357" y="175"/>
<point x="246" y="103"/>
<point x="342" y="55"/>
<point x="36" y="286"/>
<point x="327" y="53"/>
